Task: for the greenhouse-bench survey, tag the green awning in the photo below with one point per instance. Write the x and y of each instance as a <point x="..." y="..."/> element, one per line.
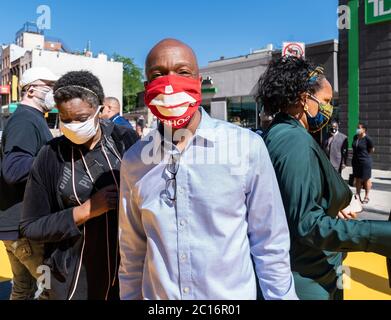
<point x="11" y="108"/>
<point x="209" y="90"/>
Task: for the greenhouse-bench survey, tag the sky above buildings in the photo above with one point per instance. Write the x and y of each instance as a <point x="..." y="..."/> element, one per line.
<point x="214" y="28"/>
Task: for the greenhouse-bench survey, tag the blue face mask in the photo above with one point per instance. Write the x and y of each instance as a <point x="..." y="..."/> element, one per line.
<point x="318" y="122"/>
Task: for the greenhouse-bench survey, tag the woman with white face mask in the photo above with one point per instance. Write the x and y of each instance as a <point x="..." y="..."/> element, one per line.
<point x="71" y="198"/>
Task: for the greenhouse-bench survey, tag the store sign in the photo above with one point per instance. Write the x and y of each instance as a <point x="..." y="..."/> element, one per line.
<point x="377" y="11"/>
<point x="4" y="90"/>
<point x="296" y="49"/>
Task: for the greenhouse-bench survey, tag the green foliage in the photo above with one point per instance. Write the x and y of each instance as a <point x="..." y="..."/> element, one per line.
<point x="132" y="83"/>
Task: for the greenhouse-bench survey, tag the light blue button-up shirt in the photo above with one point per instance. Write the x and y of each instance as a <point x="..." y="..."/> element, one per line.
<point x="228" y="213"/>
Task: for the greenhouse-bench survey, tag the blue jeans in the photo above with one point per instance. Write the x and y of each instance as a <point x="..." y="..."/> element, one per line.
<point x="25" y="257"/>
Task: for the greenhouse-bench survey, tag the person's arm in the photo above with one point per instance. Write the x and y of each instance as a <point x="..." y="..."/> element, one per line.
<point x="16" y="167"/>
<point x="268" y="229"/>
<point x="133" y="243"/>
<point x="20" y="148"/>
<point x="371" y="146"/>
<point x="301" y="189"/>
<point x="325" y="144"/>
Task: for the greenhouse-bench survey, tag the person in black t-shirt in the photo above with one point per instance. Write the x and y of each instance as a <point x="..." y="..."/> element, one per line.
<point x="363" y="148"/>
<point x="24" y="135"/>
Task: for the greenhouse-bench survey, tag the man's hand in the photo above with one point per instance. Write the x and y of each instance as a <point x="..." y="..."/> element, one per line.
<point x="101" y="202"/>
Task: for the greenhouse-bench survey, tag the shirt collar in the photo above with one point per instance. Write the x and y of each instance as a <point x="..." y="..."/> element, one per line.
<point x="283" y="117"/>
<point x="206" y="128"/>
<point x="204" y="135"/>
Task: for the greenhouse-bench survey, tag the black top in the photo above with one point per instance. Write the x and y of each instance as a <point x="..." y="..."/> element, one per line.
<point x="26" y="130"/>
<point x="101" y="231"/>
<point x="361" y="149"/>
<point x="24" y="135"/>
<point x="48" y="215"/>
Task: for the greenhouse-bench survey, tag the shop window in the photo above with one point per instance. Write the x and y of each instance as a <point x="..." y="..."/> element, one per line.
<point x="242" y="111"/>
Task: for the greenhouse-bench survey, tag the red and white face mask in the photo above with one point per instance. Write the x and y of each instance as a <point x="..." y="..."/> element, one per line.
<point x="173" y="99"/>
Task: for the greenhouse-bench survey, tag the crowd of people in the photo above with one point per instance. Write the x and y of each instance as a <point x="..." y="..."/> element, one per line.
<point x="118" y="213"/>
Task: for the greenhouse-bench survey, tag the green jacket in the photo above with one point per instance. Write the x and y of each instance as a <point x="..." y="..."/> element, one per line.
<point x="313" y="193"/>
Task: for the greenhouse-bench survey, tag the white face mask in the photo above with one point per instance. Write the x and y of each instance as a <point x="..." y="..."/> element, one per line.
<point x="80" y="133"/>
<point x="48" y="102"/>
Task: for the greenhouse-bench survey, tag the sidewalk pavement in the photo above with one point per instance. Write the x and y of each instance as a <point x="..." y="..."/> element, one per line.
<point x="380" y="195"/>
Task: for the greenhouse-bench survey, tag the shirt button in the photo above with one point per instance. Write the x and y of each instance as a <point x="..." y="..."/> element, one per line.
<point x="181" y="190"/>
<point x="186" y="290"/>
<point x="183" y="223"/>
<point x="183" y="257"/>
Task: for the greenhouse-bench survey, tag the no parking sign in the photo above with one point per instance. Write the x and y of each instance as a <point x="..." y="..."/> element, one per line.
<point x="296" y="49"/>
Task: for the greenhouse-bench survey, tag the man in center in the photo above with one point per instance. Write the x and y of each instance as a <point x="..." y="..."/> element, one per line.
<point x="204" y="229"/>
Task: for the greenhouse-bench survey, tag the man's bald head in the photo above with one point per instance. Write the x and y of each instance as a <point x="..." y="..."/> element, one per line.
<point x="171" y="56"/>
<point x="113" y="102"/>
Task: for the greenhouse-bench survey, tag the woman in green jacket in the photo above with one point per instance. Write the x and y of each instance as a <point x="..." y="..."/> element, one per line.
<point x="316" y="199"/>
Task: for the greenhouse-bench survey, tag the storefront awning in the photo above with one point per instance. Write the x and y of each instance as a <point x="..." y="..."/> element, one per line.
<point x="11" y="108"/>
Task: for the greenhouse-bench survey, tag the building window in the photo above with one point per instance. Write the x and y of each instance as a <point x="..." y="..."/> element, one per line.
<point x="242" y="110"/>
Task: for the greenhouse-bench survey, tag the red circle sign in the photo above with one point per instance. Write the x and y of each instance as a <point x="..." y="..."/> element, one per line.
<point x="294" y="49"/>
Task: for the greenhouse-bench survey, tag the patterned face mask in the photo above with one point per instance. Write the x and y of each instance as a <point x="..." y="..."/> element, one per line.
<point x="318" y="122"/>
<point x="174" y="99"/>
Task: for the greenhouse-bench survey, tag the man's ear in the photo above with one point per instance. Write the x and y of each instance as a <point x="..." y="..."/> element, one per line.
<point x="146" y="84"/>
<point x="30" y="92"/>
<point x="201" y="79"/>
